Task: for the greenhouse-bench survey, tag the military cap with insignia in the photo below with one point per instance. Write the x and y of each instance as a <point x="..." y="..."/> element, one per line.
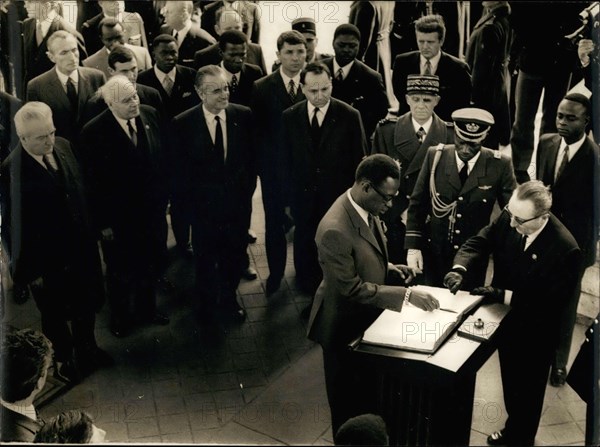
<point x="472" y="124"/>
<point x="422" y="84"/>
<point x="304" y="25"/>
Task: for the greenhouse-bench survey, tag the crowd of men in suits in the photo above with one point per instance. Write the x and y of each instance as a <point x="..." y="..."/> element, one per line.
<point x="116" y="129"/>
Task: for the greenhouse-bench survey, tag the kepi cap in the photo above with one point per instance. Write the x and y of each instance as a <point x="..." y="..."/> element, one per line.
<point x="304" y="25"/>
<point x="472" y="124"/>
<point x="424" y="84"/>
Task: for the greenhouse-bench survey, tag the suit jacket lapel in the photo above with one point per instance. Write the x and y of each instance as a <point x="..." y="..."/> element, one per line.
<point x="329" y="122"/>
<point x="405" y="141"/>
<point x="361" y="227"/>
<point x="551" y="154"/>
<point x="479" y="170"/>
<point x="59" y="92"/>
<point x="452" y="170"/>
<point x="83" y="90"/>
<point x="576" y="164"/>
<point x="232" y="135"/>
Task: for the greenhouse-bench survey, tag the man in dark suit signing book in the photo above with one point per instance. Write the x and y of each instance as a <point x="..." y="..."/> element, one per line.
<point x="354" y="290"/>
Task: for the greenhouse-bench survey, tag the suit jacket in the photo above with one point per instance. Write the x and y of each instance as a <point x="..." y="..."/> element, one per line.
<point x="353" y="291"/>
<point x="212" y="56"/>
<point x="66" y="243"/>
<point x="320" y="172"/>
<point x="487" y="55"/>
<point x="195" y="40"/>
<point x="9" y="105"/>
<point x="16" y="427"/>
<point x="242" y="94"/>
<point x="183" y="96"/>
<point x="455" y="82"/>
<point x="542" y="278"/>
<point x="210" y="191"/>
<point x="492" y="179"/>
<point x="399" y="140"/>
<point x="148" y="95"/>
<point x="35" y="59"/>
<point x="135" y="32"/>
<point x="99" y="60"/>
<point x="363" y="89"/>
<point x="128" y="190"/>
<point x="575" y="195"/>
<point x="48" y="88"/>
<point x="268" y="101"/>
<point x="248" y="11"/>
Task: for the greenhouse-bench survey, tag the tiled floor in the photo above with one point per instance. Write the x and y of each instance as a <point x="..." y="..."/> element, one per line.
<point x="260" y="382"/>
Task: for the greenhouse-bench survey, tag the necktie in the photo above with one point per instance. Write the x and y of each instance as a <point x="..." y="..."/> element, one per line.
<point x="373" y="228"/>
<point x="292" y="90"/>
<point x="339" y="76"/>
<point x="176" y="36"/>
<point x="523" y="242"/>
<point x="421" y="134"/>
<point x="72" y="94"/>
<point x="563" y="164"/>
<point x="168" y="85"/>
<point x="50" y="164"/>
<point x="234" y="84"/>
<point x="427" y="67"/>
<point x="315" y="129"/>
<point x="219" y="146"/>
<point x="464" y="173"/>
<point x="39" y="34"/>
<point x="132" y="133"/>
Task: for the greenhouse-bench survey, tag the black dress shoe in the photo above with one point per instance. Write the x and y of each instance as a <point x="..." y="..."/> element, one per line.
<point x="498" y="438"/>
<point x="250" y="274"/>
<point x="251" y="236"/>
<point x="558" y="377"/>
<point x="272" y="285"/>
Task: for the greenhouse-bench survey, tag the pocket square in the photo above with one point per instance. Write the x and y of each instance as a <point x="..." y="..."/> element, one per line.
<point x="485" y="187"/>
<point x="186" y="94"/>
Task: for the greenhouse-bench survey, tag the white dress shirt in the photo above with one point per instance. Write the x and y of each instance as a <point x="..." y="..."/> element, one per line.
<point x="363" y="213"/>
<point x="471" y="162"/>
<point x="28" y="411"/>
<point x="320" y="114"/>
<point x="182" y="32"/>
<point x="345" y="69"/>
<point x="63" y="78"/>
<point x="425" y="126"/>
<point x="286" y="81"/>
<point x="573" y="148"/>
<point x="162" y="75"/>
<point x="123" y="124"/>
<point x="434" y="61"/>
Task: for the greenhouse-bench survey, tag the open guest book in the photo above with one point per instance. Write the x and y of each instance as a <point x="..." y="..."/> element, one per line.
<point x="414" y="329"/>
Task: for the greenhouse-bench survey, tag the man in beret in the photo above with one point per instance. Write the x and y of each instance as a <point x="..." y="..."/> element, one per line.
<point x="454" y="196"/>
<point x="406" y="140"/>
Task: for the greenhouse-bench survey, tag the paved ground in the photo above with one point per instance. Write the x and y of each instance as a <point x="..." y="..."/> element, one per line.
<point x="260" y="382"/>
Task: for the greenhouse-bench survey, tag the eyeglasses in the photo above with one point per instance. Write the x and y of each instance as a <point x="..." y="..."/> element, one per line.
<point x="385" y="197"/>
<point x="520" y="221"/>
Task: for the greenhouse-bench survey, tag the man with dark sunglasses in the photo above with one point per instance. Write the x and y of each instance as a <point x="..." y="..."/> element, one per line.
<point x="454" y="196"/>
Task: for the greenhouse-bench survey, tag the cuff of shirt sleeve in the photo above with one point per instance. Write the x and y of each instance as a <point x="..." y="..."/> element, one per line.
<point x="507" y="297"/>
<point x="459" y="267"/>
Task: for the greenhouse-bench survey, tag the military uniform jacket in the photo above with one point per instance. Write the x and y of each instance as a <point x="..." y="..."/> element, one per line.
<point x="491" y="179"/>
<point x="399" y="141"/>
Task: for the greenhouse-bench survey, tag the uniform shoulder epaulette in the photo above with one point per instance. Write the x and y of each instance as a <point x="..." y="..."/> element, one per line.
<point x="440" y="147"/>
<point x="85" y="25"/>
<point x="497" y="154"/>
<point x="449" y="124"/>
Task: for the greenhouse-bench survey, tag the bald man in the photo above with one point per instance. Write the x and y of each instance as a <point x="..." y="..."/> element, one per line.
<point x="123" y="159"/>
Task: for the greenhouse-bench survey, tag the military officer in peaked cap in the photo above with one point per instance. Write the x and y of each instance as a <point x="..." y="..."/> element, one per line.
<point x="406" y="139"/>
<point x="454" y="195"/>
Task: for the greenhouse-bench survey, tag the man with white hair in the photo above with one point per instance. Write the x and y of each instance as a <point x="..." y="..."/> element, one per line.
<point x="190" y="37"/>
<point x="228" y="20"/>
<point x="47" y="230"/>
<point x="66" y="87"/>
<point x="123" y="158"/>
<point x="44" y="19"/>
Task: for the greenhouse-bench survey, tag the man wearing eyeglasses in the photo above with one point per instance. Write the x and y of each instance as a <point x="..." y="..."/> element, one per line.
<point x="355" y="287"/>
<point x="454" y="196"/>
<point x="536" y="269"/>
